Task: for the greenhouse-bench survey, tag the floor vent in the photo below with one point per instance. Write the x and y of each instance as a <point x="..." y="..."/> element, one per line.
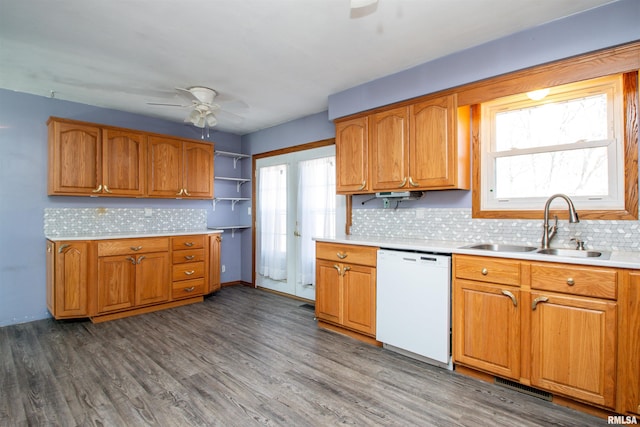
<point x="524" y="389"/>
<point x="308" y="306"/>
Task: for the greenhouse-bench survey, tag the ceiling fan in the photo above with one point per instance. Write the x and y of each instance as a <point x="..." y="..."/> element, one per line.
<point x="204" y="110"/>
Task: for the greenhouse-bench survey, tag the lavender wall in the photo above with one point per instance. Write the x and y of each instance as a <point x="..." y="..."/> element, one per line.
<point x="23" y="194"/>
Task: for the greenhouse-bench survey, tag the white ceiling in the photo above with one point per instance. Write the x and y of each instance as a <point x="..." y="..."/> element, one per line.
<point x="282" y="58"/>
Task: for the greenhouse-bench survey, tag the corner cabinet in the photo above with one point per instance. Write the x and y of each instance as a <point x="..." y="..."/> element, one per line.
<point x="88" y="159"/>
<point x="112" y="278"/>
<point x="412" y="147"/>
<point x="346" y="288"/>
<point x="549" y="325"/>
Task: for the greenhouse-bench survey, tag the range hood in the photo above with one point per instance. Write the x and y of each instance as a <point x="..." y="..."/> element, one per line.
<point x="400" y="195"/>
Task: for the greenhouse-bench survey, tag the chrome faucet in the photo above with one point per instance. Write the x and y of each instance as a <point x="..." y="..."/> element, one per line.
<point x="548" y="232"/>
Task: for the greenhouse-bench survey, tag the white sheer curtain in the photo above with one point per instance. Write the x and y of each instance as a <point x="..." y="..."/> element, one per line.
<point x="316" y="210"/>
<point x="272" y="195"/>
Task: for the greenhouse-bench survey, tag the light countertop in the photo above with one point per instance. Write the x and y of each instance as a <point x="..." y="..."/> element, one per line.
<point x="132" y="235"/>
<point x="618" y="259"/>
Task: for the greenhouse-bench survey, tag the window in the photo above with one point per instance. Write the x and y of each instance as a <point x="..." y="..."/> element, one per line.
<point x="570" y="141"/>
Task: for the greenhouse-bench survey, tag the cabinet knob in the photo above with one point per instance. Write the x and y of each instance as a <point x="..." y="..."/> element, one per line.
<point x="484" y="271"/>
<point x="570" y="281"/>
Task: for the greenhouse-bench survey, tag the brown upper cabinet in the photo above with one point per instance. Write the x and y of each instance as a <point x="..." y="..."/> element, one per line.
<point x="180" y="169"/>
<point x="352" y="156"/>
<point x="419" y="146"/>
<point x="87" y="159"/>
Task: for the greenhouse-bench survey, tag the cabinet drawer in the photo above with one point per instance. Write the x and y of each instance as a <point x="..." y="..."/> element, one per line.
<point x="187" y="242"/>
<point x="352" y="254"/>
<point x="187" y="288"/>
<point x="132" y="246"/>
<point x="190" y="255"/>
<point x="191" y="270"/>
<point x="486" y="269"/>
<point x="575" y="279"/>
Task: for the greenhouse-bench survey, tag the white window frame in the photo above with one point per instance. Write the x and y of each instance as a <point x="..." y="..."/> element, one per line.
<point x="612" y="86"/>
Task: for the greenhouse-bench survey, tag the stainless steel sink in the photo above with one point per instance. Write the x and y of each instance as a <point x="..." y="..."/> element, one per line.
<point x="496" y="247"/>
<point x="574" y="253"/>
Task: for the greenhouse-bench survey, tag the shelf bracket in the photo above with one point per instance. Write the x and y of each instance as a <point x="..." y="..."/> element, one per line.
<point x="213" y="202"/>
<point x="233" y="204"/>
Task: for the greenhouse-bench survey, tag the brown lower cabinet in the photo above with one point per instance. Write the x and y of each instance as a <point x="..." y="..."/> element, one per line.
<point x="113" y="278"/>
<point x="346" y="287"/>
<point x="556" y="327"/>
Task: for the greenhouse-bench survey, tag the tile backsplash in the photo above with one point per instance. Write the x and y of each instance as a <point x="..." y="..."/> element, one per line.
<point x="457" y="225"/>
<point x="63" y="222"/>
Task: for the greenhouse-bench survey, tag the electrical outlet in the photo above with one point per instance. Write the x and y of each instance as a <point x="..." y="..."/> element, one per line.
<point x="385" y="203"/>
<point x="223" y="268"/>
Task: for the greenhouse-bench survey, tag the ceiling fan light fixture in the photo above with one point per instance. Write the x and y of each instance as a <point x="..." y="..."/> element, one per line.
<point x="211" y="119"/>
<point x="356" y="4"/>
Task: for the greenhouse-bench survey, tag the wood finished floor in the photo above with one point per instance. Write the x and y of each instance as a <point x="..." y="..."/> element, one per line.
<point x="243" y="357"/>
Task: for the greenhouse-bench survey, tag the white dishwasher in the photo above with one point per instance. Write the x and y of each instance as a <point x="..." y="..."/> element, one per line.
<point x="413" y="314"/>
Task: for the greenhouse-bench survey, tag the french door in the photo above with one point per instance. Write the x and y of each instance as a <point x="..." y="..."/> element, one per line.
<point x="295" y="201"/>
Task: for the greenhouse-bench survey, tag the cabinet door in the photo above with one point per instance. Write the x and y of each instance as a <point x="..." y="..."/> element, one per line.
<point x="389" y="144"/>
<point x="71" y="279"/>
<point x="432" y="151"/>
<point x="352" y="156"/>
<point x="152" y="278"/>
<point x="573" y="347"/>
<point x="123" y="163"/>
<point x="214" y="263"/>
<point x="74" y="159"/>
<point x="116" y="283"/>
<point x="486" y="327"/>
<point x="198" y="170"/>
<point x="328" y="291"/>
<point x="359" y="304"/>
<point x="630" y="336"/>
<point x="165" y="167"/>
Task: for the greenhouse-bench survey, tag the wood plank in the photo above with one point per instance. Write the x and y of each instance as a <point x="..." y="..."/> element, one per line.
<point x="242" y="357"/>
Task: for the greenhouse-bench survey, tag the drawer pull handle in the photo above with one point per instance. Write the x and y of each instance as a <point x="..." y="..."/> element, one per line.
<point x="337" y="267"/>
<point x="189" y="273"/>
<point x="132" y="259"/>
<point x="106" y="189"/>
<point x="189" y="289"/>
<point x="188" y="244"/>
<point x="189" y="257"/>
<point x="570" y="281"/>
<point x="140" y="259"/>
<point x="185" y="192"/>
<point x="535" y="302"/>
<point x="484" y="271"/>
<point x="179" y="193"/>
<point x="413" y="183"/>
<point x="403" y="183"/>
<point x="364" y="184"/>
<point x="513" y="297"/>
<point x="63" y="247"/>
<point x="135" y="248"/>
<point x="345" y="269"/>
<point x="341" y="255"/>
<point x="97" y="190"/>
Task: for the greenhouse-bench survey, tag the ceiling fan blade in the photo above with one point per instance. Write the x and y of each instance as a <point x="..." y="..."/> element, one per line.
<point x="167" y="105"/>
<point x="187" y="95"/>
<point x="229" y="117"/>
